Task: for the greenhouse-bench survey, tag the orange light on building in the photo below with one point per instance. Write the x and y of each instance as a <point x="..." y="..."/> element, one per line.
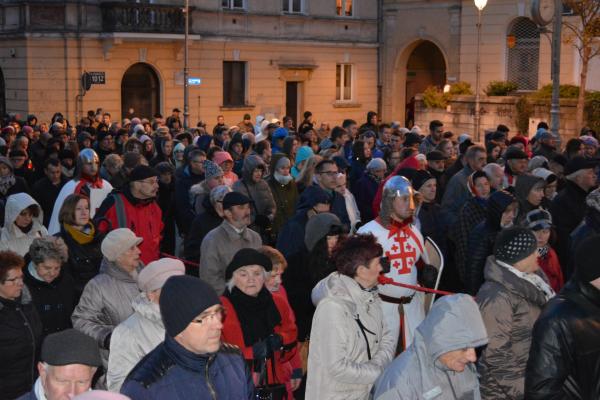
<point x="511" y="41"/>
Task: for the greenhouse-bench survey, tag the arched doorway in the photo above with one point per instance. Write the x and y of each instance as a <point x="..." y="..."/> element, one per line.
<point x="523" y="54"/>
<point x="140" y="92"/>
<point x="425" y="67"/>
<point x="2" y="96"/>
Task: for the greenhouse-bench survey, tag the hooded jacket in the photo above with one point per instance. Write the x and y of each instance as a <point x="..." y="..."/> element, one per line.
<point x="11" y="237"/>
<point x="339" y="366"/>
<point x="105" y="303"/>
<point x="524" y="185"/>
<point x="509" y="306"/>
<point x="285" y="197"/>
<point x="258" y="192"/>
<point x="453" y="323"/>
<point x="132" y="339"/>
<point x="303" y="153"/>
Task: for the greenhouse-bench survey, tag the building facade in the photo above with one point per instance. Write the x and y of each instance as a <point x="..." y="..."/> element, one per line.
<point x="268" y="57"/>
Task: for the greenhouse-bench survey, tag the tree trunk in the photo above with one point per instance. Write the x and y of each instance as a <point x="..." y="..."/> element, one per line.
<point x="585" y="59"/>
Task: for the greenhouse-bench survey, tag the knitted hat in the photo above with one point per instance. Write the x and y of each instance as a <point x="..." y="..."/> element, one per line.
<point x="589" y="140"/>
<point x="70" y="347"/>
<point x="118" y="241"/>
<point x="154" y="275"/>
<point x="420" y="177"/>
<point x="211" y="170"/>
<point x="514" y="244"/>
<point x="142" y="172"/>
<point x="318" y="227"/>
<point x="182" y="299"/>
<point x="538" y="219"/>
<point x="245" y="257"/>
<point x="587" y="268"/>
<point x="375" y="164"/>
<point x="283" y="162"/>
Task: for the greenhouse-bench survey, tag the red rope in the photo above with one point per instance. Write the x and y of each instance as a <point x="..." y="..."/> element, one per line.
<point x="383" y="280"/>
<point x="190" y="263"/>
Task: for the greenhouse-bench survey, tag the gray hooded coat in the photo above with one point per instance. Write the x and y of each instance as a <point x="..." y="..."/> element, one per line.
<point x="453" y="323"/>
<point x="259" y="192"/>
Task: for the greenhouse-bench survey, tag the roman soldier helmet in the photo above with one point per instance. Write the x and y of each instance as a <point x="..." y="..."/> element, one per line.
<point x="87" y="156"/>
<point x="397" y="186"/>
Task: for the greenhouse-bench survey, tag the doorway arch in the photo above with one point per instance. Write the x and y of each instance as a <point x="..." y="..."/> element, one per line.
<point x="421" y="64"/>
<point x="140" y="92"/>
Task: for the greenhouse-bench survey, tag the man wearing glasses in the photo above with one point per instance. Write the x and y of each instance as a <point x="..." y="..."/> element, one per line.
<point x="135" y="208"/>
<point x="191" y="361"/>
<point x="436" y="131"/>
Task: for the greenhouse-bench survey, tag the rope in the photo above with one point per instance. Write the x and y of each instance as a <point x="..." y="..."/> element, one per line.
<point x="190" y="263"/>
<point x="383" y="280"/>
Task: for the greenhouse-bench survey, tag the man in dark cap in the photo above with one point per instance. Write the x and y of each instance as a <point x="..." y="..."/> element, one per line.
<point x="516" y="164"/>
<point x="191" y="363"/>
<point x="246" y="124"/>
<point x="68" y="362"/>
<point x="568" y="207"/>
<point x="220" y="245"/>
<point x="564" y="360"/>
<point x="135" y="207"/>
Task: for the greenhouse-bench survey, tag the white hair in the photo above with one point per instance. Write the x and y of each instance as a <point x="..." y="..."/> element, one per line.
<point x="490" y="168"/>
<point x="230" y="283"/>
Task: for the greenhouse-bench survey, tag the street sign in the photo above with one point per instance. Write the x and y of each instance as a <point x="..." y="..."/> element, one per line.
<point x="98" y="78"/>
<point x="194" y="81"/>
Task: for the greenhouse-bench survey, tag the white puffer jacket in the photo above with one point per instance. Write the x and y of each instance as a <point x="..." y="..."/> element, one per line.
<point x="14" y="239"/>
<point x="338" y="362"/>
<point x="133" y="339"/>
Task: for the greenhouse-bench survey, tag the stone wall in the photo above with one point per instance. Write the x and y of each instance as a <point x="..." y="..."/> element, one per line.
<point x="495" y="110"/>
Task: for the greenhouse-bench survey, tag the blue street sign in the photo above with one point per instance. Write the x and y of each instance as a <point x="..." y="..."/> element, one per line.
<point x="194" y="81"/>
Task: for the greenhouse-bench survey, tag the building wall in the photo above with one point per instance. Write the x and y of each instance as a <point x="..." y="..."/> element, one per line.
<point x="55" y="69"/>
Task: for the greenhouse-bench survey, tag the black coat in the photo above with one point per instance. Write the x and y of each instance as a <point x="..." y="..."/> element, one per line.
<point x="568" y="209"/>
<point x="564" y="359"/>
<point x="471" y="214"/>
<point x="20" y="338"/>
<point x="432" y="225"/>
<point x="166" y="202"/>
<point x="184" y="209"/>
<point x="84" y="260"/>
<point x="45" y="193"/>
<point x="54" y="301"/>
<point x="202" y="224"/>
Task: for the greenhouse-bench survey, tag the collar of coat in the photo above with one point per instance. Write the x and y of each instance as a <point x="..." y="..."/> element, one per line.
<point x="512" y="283"/>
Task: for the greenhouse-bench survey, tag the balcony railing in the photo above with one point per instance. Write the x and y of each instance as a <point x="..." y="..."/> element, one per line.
<point x="146" y="18"/>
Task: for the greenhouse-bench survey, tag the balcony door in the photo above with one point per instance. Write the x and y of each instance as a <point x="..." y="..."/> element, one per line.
<point x="140" y="92"/>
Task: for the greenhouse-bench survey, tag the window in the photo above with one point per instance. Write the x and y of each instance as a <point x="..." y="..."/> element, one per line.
<point x="343" y="8"/>
<point x="523" y="54"/>
<point x="234" y="83"/>
<point x="343" y="82"/>
<point x="292" y="6"/>
<point x="233" y="4"/>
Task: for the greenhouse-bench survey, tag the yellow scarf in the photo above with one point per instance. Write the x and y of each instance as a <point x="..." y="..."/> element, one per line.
<point x="80" y="236"/>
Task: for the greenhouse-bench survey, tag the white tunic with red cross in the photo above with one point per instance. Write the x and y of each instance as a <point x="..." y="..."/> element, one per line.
<point x="404" y="247"/>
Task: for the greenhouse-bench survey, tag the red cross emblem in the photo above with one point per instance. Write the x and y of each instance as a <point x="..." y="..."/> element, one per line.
<point x="402" y="255"/>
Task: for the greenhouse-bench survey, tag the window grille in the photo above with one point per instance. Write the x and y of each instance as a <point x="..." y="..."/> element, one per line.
<point x="524" y="54"/>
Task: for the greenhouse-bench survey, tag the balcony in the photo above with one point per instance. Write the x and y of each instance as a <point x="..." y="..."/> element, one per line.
<point x="144" y="18"/>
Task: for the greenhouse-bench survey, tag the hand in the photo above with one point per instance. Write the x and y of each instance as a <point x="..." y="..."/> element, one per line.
<point x="427" y="275"/>
<point x="295" y="383"/>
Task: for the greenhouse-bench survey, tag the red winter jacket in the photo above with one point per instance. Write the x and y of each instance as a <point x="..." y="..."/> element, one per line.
<point x="551" y="266"/>
<point x="143" y="217"/>
<point x="232" y="333"/>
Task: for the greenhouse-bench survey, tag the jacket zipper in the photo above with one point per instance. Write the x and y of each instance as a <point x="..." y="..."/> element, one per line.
<point x="211" y="389"/>
<point x="28" y="325"/>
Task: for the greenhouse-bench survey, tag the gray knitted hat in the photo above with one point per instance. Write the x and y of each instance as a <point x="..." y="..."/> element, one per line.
<point x="211" y="170"/>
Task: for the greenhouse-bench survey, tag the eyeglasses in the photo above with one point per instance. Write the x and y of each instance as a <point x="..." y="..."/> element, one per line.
<point x="219" y="315"/>
<point x="13" y="281"/>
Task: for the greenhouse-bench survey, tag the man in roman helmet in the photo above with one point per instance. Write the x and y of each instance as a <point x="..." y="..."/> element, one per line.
<point x="87" y="182"/>
<point x="403" y="245"/>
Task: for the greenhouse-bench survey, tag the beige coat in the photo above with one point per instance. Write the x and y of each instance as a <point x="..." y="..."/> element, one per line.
<point x="338" y="364"/>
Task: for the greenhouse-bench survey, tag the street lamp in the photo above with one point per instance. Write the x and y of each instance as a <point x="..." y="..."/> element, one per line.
<point x="186" y="88"/>
<point x="480" y="4"/>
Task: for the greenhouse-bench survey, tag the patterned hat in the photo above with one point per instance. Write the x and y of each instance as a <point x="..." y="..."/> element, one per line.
<point x="211" y="170"/>
<point x="514" y="244"/>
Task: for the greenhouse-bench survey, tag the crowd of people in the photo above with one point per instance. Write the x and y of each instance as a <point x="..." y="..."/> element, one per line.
<point x="267" y="261"/>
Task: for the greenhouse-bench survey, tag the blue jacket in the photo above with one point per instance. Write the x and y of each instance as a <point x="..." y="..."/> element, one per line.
<point x="172" y="372"/>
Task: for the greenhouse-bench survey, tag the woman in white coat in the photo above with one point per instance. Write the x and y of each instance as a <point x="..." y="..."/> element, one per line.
<point x="139" y="334"/>
<point x="23" y="222"/>
<point x="350" y="344"/>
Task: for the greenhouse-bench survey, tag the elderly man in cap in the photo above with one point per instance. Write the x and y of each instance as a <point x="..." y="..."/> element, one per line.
<point x="68" y="362"/>
<point x="517" y="162"/>
<point x="143" y="330"/>
<point x="87" y="182"/>
<point x="191" y="363"/>
<point x="106" y="299"/>
<point x="220" y="245"/>
<point x="136" y="208"/>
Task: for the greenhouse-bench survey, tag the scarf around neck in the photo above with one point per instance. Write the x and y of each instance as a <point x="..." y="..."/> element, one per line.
<point x="84" y="236"/>
<point x="534" y="279"/>
<point x="258" y="315"/>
